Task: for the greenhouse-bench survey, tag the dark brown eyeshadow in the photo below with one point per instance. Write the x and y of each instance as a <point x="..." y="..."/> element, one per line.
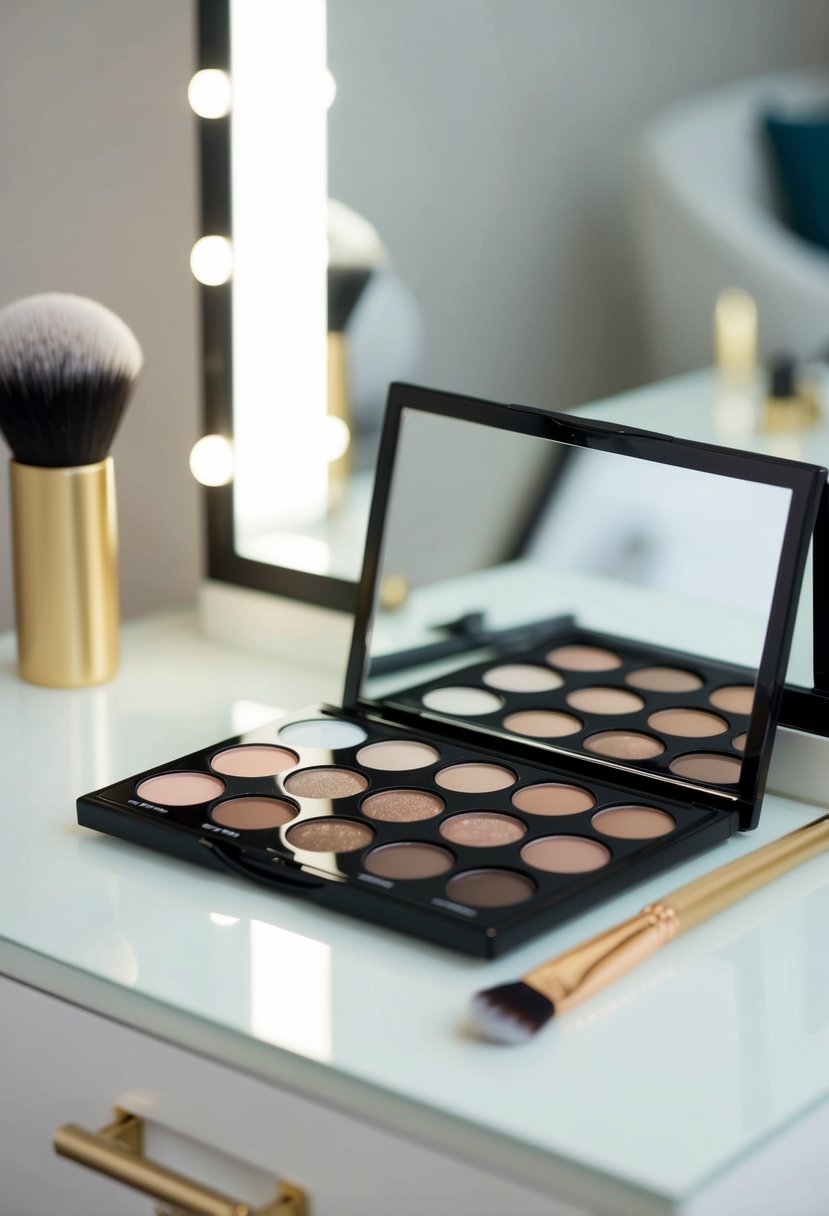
<point x="408" y="860"/>
<point x="490" y="888"/>
<point x="253" y="813"/>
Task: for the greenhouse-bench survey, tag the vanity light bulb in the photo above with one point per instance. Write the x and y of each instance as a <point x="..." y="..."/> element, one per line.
<point x="209" y="93"/>
<point x="329" y="89"/>
<point x="211" y="460"/>
<point x="336" y="438"/>
<point x="211" y="260"/>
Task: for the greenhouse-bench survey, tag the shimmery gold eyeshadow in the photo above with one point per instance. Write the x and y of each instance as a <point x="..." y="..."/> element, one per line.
<point x="467" y="702"/>
<point x="624" y="745"/>
<point x="482" y="829"/>
<point x="553" y="799"/>
<point x="475" y="778"/>
<point x="408" y="861"/>
<point x="605" y="700"/>
<point x="634" y="822"/>
<point x="739" y="742"/>
<point x="692" y="723"/>
<point x="584" y="658"/>
<point x="707" y="767"/>
<point x="253" y="813"/>
<point x="542" y="724"/>
<point x="522" y="677"/>
<point x="565" y="854"/>
<point x="402" y="806"/>
<point x="326" y="783"/>
<point x="253" y="760"/>
<point x="394" y="755"/>
<point x="664" y="679"/>
<point x="490" y="888"/>
<point x="180" y="788"/>
<point x="733" y="698"/>
<point x="330" y="835"/>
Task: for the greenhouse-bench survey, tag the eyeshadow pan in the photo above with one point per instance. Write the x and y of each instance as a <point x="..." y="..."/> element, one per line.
<point x="664" y="679"/>
<point x="624" y="745"/>
<point x="739" y="742"/>
<point x="332" y="733"/>
<point x="393" y="755"/>
<point x="551" y="798"/>
<point x="408" y="860"/>
<point x="733" y="698"/>
<point x="468" y="702"/>
<point x="326" y="783"/>
<point x="180" y="788"/>
<point x="482" y="829"/>
<point x="692" y="723"/>
<point x="634" y="822"/>
<point x="565" y="854"/>
<point x="605" y="700"/>
<point x="708" y="767"/>
<point x="402" y="806"/>
<point x="490" y="888"/>
<point x="475" y="778"/>
<point x="253" y="760"/>
<point x="330" y="835"/>
<point x="542" y="724"/>
<point x="584" y="658"/>
<point x="522" y="677"/>
<point x="253" y="813"/>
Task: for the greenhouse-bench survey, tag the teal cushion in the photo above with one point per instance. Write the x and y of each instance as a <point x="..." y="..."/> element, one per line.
<point x="800" y="157"/>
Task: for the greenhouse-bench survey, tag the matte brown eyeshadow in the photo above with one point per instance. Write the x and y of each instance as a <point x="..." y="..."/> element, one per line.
<point x="253" y="813"/>
<point x="551" y="798"/>
<point x="565" y="854"/>
<point x="634" y="822"/>
<point x="542" y="724"/>
<point x="584" y="658"/>
<point x="490" y="888"/>
<point x="475" y="778"/>
<point x="664" y="679"/>
<point x="408" y="861"/>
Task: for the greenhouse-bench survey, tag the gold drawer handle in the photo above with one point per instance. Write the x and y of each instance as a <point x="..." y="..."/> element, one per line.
<point x="117" y="1150"/>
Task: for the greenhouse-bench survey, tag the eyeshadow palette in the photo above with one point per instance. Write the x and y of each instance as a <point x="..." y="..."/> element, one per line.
<point x="565" y="673"/>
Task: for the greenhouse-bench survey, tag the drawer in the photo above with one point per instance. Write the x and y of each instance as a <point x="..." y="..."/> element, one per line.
<point x="229" y="1131"/>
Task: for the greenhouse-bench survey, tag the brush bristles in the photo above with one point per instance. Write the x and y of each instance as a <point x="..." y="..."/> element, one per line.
<point x="510" y="1013"/>
<point x="67" y="367"/>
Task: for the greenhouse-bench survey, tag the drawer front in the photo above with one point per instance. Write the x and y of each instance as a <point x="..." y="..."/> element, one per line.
<point x="61" y="1064"/>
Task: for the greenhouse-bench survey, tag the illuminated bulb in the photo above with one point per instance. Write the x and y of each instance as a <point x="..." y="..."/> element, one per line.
<point x="735" y="335"/>
<point x="211" y="260"/>
<point x="219" y="918"/>
<point x="211" y="460"/>
<point x="329" y="89"/>
<point x="209" y="93"/>
<point x="335" y="438"/>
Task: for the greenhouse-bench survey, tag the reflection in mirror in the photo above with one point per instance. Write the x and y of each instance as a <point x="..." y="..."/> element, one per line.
<point x="573" y="597"/>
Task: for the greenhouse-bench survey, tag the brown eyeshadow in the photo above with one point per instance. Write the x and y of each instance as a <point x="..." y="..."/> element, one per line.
<point x="565" y="854"/>
<point x="482" y="829"/>
<point x="180" y="788"/>
<point x="330" y="835"/>
<point x="624" y="745"/>
<point x="542" y="724"/>
<point x="490" y="888"/>
<point x="253" y="813"/>
<point x="605" y="700"/>
<point x="584" y="658"/>
<point x="394" y="755"/>
<point x="708" y="767"/>
<point x="402" y="806"/>
<point x="664" y="679"/>
<point x="475" y="778"/>
<point x="553" y="799"/>
<point x="522" y="677"/>
<point x="408" y="861"/>
<point x="739" y="742"/>
<point x="691" y="723"/>
<point x="326" y="783"/>
<point x="634" y="822"/>
<point x="253" y="760"/>
<point x="733" y="698"/>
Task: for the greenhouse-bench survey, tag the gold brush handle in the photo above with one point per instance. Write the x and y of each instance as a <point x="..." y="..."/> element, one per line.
<point x="117" y="1150"/>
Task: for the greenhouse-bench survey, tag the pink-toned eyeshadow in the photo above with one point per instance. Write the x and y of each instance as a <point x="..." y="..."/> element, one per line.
<point x="254" y="760"/>
<point x="180" y="788"/>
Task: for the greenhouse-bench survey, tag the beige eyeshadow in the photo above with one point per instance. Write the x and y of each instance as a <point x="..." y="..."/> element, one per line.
<point x="397" y="756"/>
<point x="664" y="679"/>
<point x="733" y="698"/>
<point x="565" y="854"/>
<point x="330" y="835"/>
<point x="408" y="861"/>
<point x="180" y="788"/>
<point x="584" y="658"/>
<point x="482" y="829"/>
<point x="634" y="822"/>
<point x="605" y="700"/>
<point x="692" y="723"/>
<point x="490" y="888"/>
<point x="253" y="813"/>
<point x="522" y="677"/>
<point x="542" y="724"/>
<point x="253" y="760"/>
<point x="624" y="745"/>
<point x="402" y="806"/>
<point x="326" y="783"/>
<point x="475" y="778"/>
<point x="707" y="767"/>
<point x="739" y="742"/>
<point x="553" y="799"/>
<point x="466" y="702"/>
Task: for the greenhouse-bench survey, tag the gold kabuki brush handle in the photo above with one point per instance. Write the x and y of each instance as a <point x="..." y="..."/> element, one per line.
<point x="66" y="573"/>
<point x="585" y="970"/>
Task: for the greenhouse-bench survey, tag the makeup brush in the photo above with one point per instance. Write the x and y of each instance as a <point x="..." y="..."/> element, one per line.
<point x="67" y="369"/>
<point x="513" y="1013"/>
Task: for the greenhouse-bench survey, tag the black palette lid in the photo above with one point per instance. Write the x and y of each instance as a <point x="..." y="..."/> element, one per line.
<point x="502" y="536"/>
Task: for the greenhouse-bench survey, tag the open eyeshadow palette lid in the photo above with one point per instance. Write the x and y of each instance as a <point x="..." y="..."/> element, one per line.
<point x="565" y="673"/>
